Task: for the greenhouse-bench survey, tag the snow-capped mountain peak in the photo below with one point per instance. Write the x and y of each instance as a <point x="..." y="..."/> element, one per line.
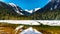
<point x="12" y="4"/>
<point x="16" y="9"/>
<point x="37" y="9"/>
<point x="31" y="11"/>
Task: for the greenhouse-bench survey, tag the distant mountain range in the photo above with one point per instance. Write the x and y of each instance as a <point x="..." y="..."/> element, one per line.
<point x="14" y="8"/>
<point x="49" y="12"/>
<point x="11" y="8"/>
<point x="52" y="5"/>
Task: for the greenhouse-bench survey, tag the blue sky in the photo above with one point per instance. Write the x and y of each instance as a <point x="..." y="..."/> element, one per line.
<point x="28" y="4"/>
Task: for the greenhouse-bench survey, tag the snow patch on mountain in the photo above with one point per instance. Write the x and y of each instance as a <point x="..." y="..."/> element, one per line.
<point x="31" y="11"/>
<point x="56" y="4"/>
<point x="15" y="8"/>
<point x="37" y="9"/>
<point x="12" y="4"/>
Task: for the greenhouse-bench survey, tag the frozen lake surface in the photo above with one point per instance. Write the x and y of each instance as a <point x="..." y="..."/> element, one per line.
<point x="33" y="22"/>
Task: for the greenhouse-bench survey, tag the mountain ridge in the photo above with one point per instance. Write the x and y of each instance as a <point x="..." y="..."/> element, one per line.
<point x="48" y="12"/>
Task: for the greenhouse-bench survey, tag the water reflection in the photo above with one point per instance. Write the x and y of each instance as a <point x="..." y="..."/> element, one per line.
<point x="30" y="30"/>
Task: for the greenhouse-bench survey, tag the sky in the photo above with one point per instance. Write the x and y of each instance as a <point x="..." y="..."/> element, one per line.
<point x="28" y="4"/>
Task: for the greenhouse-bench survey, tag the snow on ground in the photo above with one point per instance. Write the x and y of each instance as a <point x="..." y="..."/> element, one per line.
<point x="33" y="22"/>
<point x="21" y="22"/>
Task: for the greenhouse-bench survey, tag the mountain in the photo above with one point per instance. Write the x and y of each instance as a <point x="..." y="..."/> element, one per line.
<point x="19" y="10"/>
<point x="14" y="8"/>
<point x="11" y="11"/>
<point x="50" y="11"/>
<point x="52" y="5"/>
<point x="6" y="8"/>
<point x="7" y="11"/>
